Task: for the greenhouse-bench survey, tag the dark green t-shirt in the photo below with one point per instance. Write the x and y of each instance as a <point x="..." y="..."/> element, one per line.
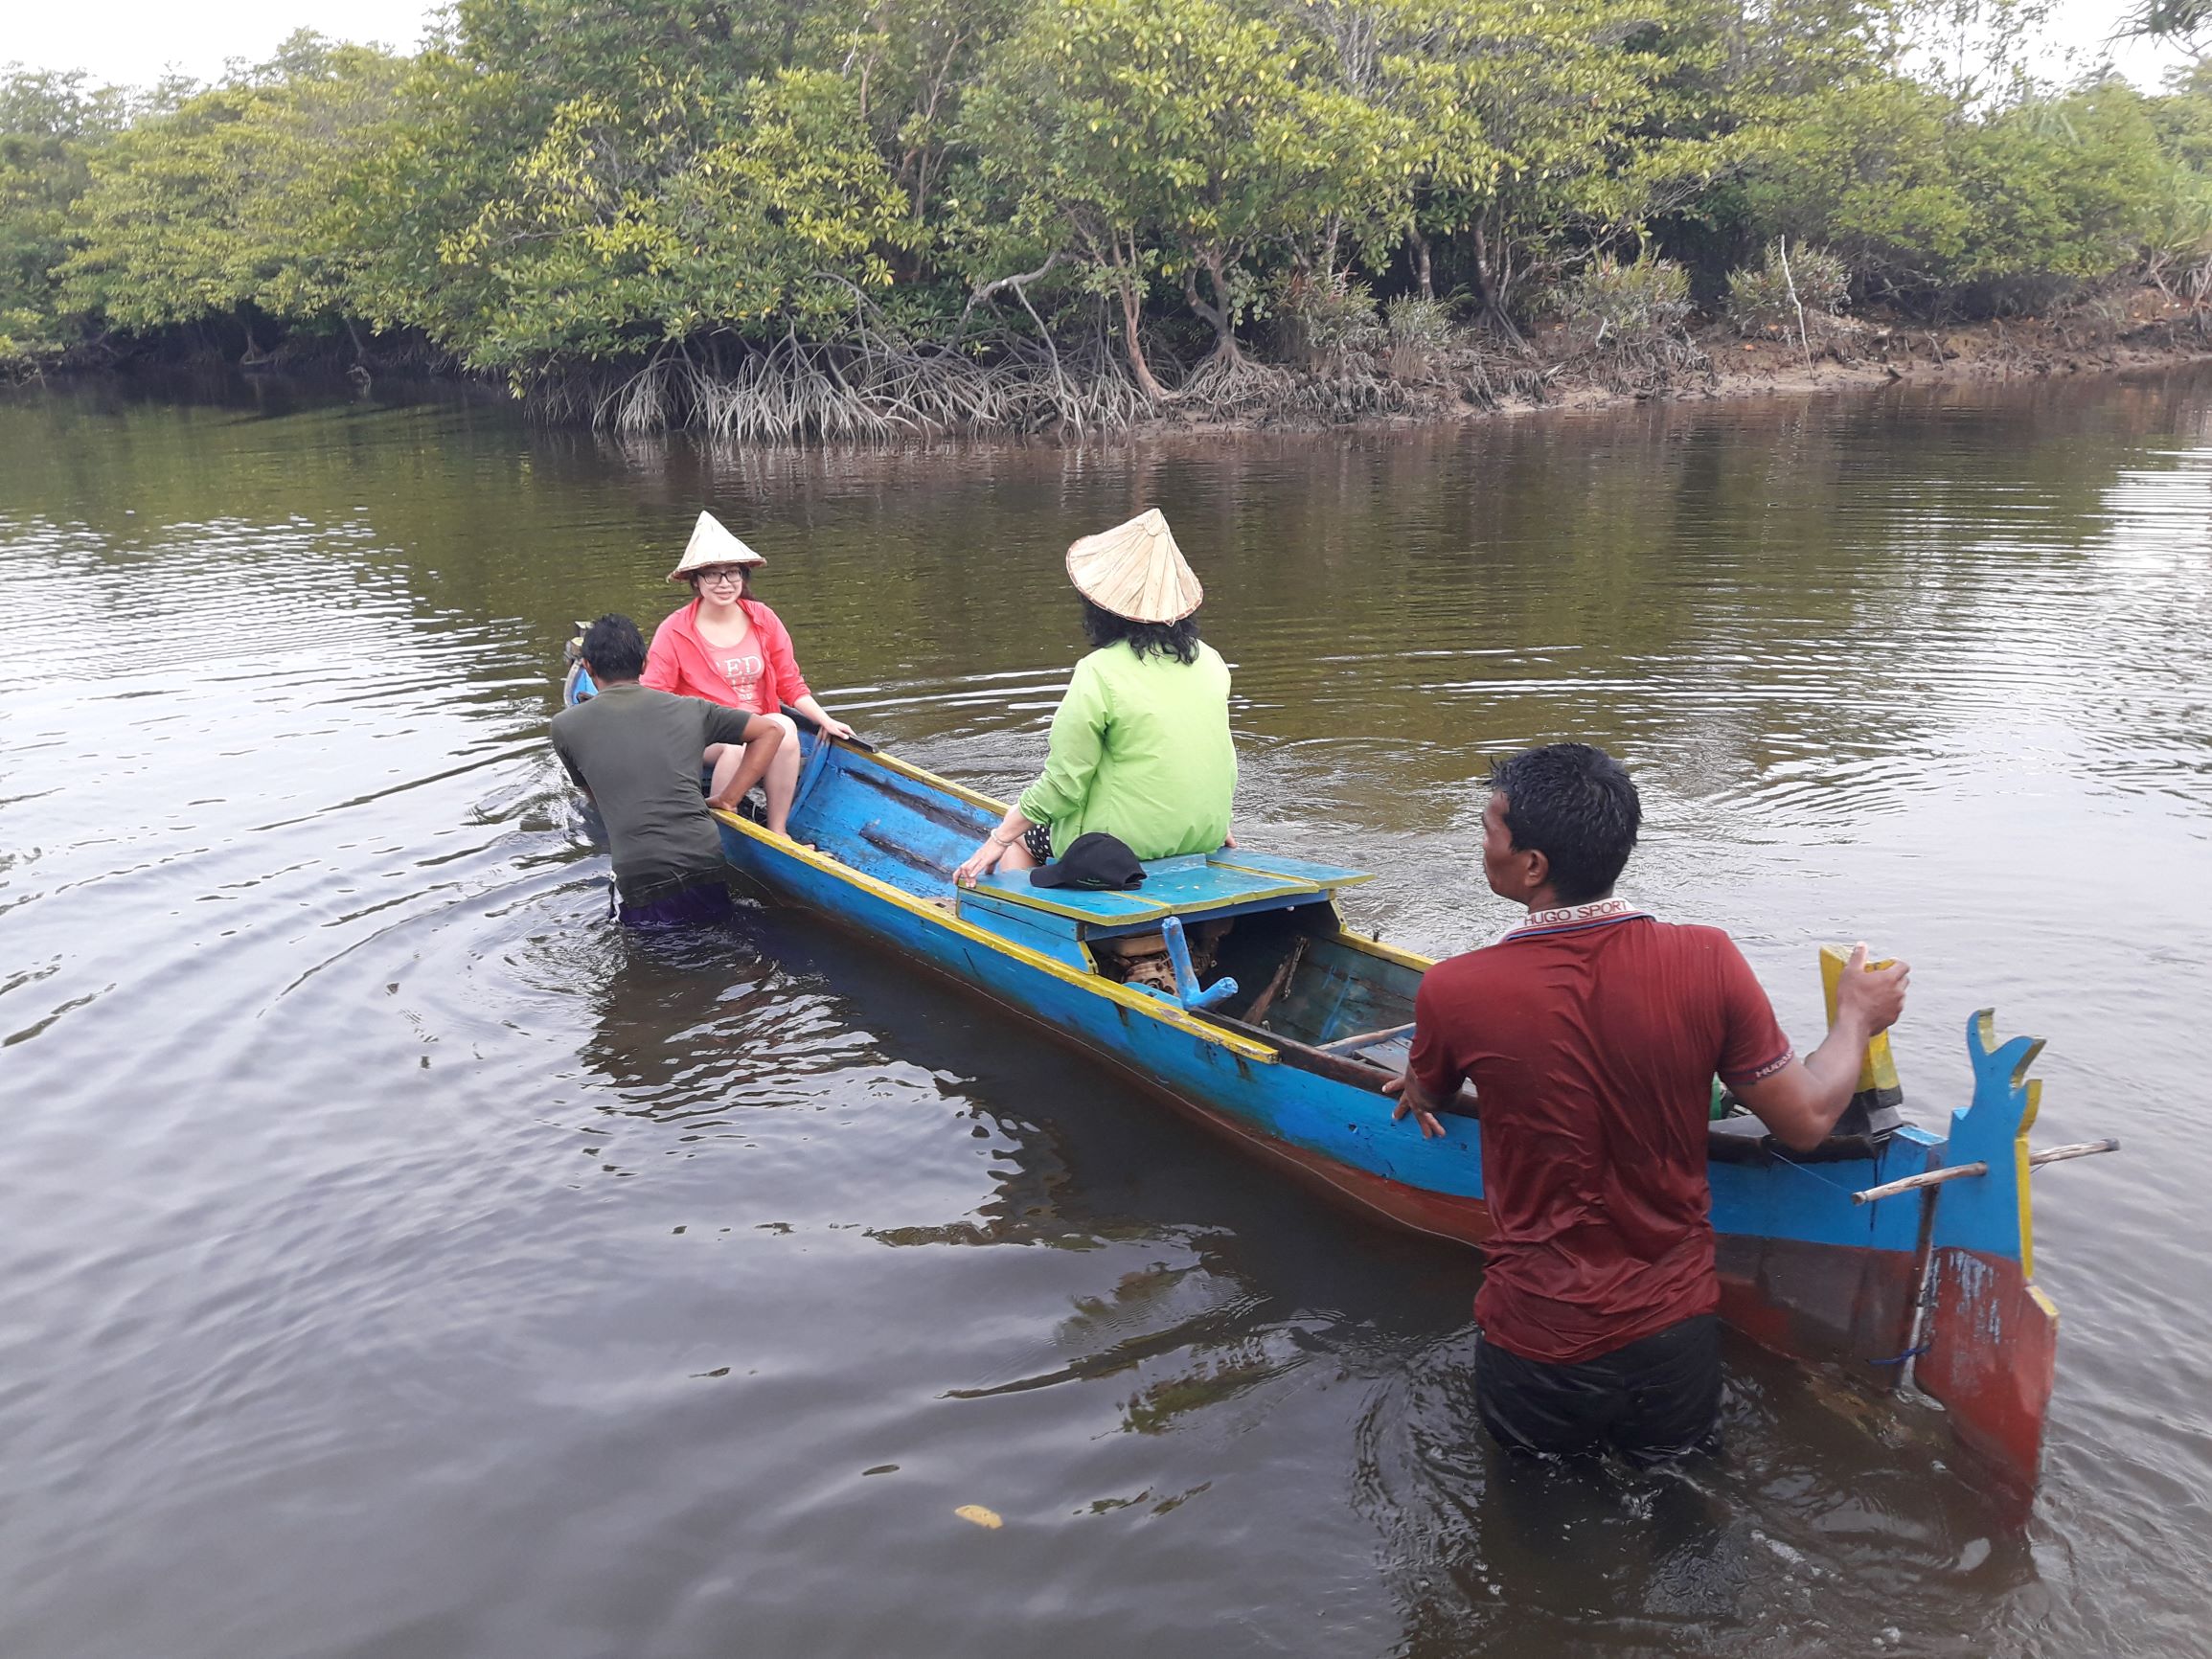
<point x="638" y="751"/>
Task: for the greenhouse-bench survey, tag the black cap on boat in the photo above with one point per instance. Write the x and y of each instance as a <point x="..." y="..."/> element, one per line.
<point x="1095" y="861"/>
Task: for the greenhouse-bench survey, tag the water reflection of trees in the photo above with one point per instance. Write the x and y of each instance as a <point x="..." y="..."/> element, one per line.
<point x="1718" y="542"/>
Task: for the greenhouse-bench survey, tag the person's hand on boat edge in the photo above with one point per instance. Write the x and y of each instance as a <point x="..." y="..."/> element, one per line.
<point x="1412" y="1098"/>
<point x="1001" y="849"/>
<point x="835" y="728"/>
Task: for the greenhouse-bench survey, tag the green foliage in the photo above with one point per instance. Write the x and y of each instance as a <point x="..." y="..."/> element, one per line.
<point x="49" y="125"/>
<point x="1633" y="303"/>
<point x="2188" y="23"/>
<point x="712" y="189"/>
<point x="224" y="203"/>
<point x="1513" y="129"/>
<point x="1770" y="295"/>
<point x="1417" y="325"/>
<point x="1170" y="139"/>
<point x="2066" y="192"/>
<point x="1330" y="315"/>
<point x="1864" y="171"/>
<point x="2012" y="209"/>
<point x="633" y="224"/>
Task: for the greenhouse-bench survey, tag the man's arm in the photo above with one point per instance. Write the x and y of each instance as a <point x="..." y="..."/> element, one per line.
<point x="1801" y="1102"/>
<point x="1426" y="1051"/>
<point x="568" y="766"/>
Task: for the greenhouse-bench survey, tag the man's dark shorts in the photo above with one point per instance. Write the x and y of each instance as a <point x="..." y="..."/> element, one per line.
<point x="676" y="903"/>
<point x="1655" y="1400"/>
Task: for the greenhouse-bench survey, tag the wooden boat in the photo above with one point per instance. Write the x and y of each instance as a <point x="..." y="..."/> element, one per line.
<point x="1890" y="1248"/>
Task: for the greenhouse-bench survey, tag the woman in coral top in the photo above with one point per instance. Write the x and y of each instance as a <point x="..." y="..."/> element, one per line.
<point x="729" y="648"/>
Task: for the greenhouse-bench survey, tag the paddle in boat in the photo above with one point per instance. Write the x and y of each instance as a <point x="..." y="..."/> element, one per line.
<point x="1229" y="985"/>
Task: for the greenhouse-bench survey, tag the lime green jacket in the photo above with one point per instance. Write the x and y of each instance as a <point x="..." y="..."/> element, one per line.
<point x="1140" y="749"/>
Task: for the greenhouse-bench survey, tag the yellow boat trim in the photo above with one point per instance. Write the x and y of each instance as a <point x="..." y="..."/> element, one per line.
<point x="2024" y="1174"/>
<point x="1151" y="1007"/>
<point x="1360" y="941"/>
<point x="1042" y="899"/>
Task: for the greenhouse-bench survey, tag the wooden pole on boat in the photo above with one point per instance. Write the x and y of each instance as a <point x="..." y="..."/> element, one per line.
<point x="1936" y="1178"/>
<point x="1926" y="1178"/>
<point x="1361" y="1039"/>
<point x="2079" y="1150"/>
<point x="1266" y="1000"/>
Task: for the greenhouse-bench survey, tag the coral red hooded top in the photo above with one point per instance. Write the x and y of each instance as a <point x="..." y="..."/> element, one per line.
<point x="760" y="675"/>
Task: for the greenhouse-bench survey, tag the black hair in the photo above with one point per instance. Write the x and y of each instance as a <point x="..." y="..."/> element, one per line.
<point x="1577" y="805"/>
<point x="1177" y="639"/>
<point x="614" y="648"/>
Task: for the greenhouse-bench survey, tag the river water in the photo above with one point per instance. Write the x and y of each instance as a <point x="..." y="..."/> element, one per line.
<point x="399" y="1262"/>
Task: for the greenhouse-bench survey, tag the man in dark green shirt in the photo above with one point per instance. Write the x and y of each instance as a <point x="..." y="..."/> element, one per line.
<point x="637" y="753"/>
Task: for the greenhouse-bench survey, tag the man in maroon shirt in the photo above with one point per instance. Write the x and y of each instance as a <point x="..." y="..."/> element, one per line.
<point x="1592" y="1032"/>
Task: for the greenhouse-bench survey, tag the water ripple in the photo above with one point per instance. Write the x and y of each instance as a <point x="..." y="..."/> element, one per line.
<point x="397" y="1253"/>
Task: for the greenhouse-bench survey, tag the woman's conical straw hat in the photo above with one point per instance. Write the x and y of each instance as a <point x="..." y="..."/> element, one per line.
<point x="1136" y="571"/>
<point x="711" y="545"/>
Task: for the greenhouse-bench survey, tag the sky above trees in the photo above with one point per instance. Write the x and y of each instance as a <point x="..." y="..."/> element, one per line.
<point x="133" y="42"/>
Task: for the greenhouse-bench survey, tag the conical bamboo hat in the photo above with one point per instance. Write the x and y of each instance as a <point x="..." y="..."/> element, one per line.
<point x="711" y="545"/>
<point x="1136" y="571"/>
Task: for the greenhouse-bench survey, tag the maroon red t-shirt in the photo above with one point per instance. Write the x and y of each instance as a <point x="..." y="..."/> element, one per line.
<point x="1593" y="1037"/>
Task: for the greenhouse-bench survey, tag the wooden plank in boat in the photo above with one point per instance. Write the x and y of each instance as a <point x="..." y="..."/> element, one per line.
<point x="1078" y="903"/>
<point x="1194" y="884"/>
<point x="1189" y="885"/>
<point x="1290" y="869"/>
<point x="1025" y="925"/>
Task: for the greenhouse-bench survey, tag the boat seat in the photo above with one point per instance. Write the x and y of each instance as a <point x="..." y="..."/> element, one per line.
<point x="1192" y="886"/>
<point x="1329" y="876"/>
<point x="1745" y="1139"/>
<point x="1739" y="1140"/>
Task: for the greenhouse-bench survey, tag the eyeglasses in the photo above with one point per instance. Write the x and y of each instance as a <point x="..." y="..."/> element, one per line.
<point x="734" y="576"/>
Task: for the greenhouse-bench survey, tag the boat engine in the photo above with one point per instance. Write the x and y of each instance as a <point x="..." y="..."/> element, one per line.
<point x="1142" y="958"/>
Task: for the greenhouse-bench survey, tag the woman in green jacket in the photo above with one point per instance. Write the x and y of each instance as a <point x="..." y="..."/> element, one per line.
<point x="1140" y="744"/>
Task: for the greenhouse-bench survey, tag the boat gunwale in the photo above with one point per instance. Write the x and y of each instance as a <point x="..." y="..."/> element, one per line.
<point x="1155" y="1008"/>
